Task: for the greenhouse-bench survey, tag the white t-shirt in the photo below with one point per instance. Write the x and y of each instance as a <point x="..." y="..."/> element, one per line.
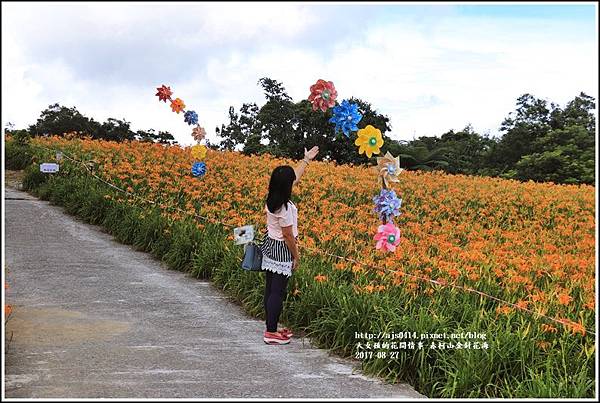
<point x="282" y="218"/>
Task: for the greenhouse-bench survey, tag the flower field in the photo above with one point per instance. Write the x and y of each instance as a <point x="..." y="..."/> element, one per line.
<point x="514" y="261"/>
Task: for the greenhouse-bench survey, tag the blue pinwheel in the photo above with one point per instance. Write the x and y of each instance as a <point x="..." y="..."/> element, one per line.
<point x="199" y="169"/>
<point x="387" y="205"/>
<point x="346" y="117"/>
<point x="191" y="118"/>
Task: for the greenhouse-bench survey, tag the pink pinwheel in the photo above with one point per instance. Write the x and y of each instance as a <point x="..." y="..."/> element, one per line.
<point x="164" y="93"/>
<point x="387" y="237"/>
<point x="322" y="95"/>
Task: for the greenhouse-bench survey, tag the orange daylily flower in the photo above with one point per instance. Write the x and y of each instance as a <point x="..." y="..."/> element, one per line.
<point x="505" y="309"/>
<point x="487" y="230"/>
<point x="564" y="299"/>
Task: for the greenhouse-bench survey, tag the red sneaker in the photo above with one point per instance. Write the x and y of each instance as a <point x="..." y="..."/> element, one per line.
<point x="275" y="338"/>
<point x="286" y="332"/>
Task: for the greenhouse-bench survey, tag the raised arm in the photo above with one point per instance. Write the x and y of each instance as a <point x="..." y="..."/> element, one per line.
<point x="308" y="156"/>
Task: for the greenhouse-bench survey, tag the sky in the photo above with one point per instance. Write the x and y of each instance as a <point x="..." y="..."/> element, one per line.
<point x="429" y="67"/>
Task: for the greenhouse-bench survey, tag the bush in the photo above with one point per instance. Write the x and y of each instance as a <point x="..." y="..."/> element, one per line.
<point x="33" y="178"/>
<point x="17" y="155"/>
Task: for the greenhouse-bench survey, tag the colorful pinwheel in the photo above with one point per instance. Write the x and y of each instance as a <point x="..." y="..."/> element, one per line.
<point x="387" y="237"/>
<point x="198" y="133"/>
<point x="388" y="168"/>
<point x="387" y="205"/>
<point x="369" y="141"/>
<point x="199" y="169"/>
<point x="346" y="117"/>
<point x="322" y="95"/>
<point x="177" y="105"/>
<point x="164" y="93"/>
<point x="199" y="152"/>
<point x="191" y="118"/>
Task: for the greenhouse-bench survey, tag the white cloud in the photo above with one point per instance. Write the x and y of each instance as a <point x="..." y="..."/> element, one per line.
<point x="19" y="89"/>
<point x="428" y="75"/>
<point x="475" y="69"/>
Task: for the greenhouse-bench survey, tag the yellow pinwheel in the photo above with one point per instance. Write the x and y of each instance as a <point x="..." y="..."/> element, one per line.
<point x="369" y="141"/>
<point x="199" y="152"/>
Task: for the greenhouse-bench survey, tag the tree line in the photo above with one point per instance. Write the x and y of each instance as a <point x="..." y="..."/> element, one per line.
<point x="59" y="120"/>
<point x="539" y="141"/>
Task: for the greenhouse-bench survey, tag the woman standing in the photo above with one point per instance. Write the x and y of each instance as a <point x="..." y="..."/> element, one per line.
<point x="280" y="252"/>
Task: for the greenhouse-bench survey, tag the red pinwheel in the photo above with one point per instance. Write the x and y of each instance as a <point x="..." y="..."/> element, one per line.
<point x="164" y="93"/>
<point x="322" y="95"/>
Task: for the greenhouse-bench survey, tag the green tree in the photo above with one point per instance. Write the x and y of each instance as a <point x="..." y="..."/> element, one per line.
<point x="466" y="150"/>
<point x="282" y="127"/>
<point x="114" y="130"/>
<point x="146" y="135"/>
<point x="531" y="120"/>
<point x="165" y="137"/>
<point x="544" y="142"/>
<point x="578" y="112"/>
<point x="563" y="156"/>
<point x="58" y="120"/>
<point x="461" y="152"/>
<point x="150" y="135"/>
<point x="240" y="128"/>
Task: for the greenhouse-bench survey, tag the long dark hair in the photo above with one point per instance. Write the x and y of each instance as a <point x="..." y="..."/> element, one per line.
<point x="280" y="187"/>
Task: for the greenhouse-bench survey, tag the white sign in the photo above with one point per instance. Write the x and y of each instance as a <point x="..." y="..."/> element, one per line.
<point x="58" y="155"/>
<point x="243" y="235"/>
<point x="48" y="167"/>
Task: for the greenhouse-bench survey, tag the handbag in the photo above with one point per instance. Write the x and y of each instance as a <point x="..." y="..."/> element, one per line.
<point x="252" y="257"/>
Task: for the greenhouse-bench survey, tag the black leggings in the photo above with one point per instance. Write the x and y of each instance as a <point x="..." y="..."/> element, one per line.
<point x="275" y="289"/>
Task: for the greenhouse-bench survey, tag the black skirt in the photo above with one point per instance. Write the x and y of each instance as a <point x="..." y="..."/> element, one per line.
<point x="277" y="257"/>
<point x="276" y="250"/>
